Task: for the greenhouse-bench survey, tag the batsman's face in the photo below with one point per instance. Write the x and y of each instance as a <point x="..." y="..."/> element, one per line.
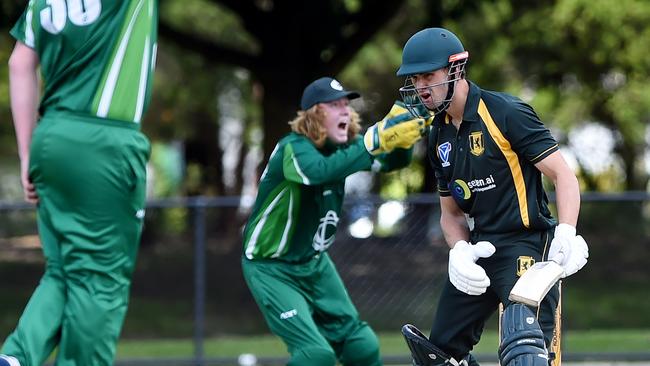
<point x="431" y="87"/>
<point x="337" y="120"/>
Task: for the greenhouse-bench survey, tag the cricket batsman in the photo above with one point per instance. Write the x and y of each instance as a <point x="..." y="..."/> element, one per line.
<point x="489" y="151"/>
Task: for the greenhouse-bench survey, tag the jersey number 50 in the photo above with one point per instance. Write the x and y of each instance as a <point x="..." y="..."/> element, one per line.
<point x="80" y="12"/>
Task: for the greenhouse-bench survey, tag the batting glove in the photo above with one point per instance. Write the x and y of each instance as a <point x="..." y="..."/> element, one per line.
<point x="560" y="250"/>
<point x="568" y="249"/>
<point x="398" y="129"/>
<point x="464" y="273"/>
<point x="578" y="258"/>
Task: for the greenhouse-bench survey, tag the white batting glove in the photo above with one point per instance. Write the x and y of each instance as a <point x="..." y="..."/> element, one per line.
<point x="464" y="273"/>
<point x="560" y="250"/>
<point x="568" y="249"/>
<point x="578" y="257"/>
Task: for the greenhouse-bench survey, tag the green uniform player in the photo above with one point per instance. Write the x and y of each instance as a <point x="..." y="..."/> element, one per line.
<point x="84" y="165"/>
<point x="295" y="218"/>
<point x="489" y="150"/>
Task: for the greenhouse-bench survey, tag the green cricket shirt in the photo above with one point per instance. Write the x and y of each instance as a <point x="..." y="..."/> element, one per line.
<point x="298" y="205"/>
<point x="487" y="165"/>
<point x="96" y="56"/>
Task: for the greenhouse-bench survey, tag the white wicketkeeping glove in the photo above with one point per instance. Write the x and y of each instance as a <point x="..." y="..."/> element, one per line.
<point x="464" y="273"/>
<point x="568" y="249"/>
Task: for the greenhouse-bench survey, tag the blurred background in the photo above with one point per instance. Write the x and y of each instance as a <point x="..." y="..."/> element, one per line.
<point x="229" y="77"/>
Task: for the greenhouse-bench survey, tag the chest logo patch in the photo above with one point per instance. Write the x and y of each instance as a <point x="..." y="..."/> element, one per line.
<point x="476" y="145"/>
<point x="443" y="153"/>
<point x="523" y="263"/>
<point x="324" y="236"/>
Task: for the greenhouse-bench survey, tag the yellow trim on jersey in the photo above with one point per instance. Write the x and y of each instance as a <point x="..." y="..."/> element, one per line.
<point x="534" y="160"/>
<point x="511" y="158"/>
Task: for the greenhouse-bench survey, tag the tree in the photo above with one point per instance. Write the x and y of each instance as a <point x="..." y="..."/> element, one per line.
<point x="577" y="61"/>
<point x="292" y="43"/>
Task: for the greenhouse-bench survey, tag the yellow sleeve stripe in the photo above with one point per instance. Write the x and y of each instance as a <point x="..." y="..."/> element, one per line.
<point x="534" y="160"/>
<point x="511" y="158"/>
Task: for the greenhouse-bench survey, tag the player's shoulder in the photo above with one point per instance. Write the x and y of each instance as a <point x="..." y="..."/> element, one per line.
<point x="499" y="99"/>
<point x="297" y="143"/>
<point x="503" y="106"/>
<point x="294" y="138"/>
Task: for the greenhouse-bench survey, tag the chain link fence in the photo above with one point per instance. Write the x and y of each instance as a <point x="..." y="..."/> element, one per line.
<point x="391" y="255"/>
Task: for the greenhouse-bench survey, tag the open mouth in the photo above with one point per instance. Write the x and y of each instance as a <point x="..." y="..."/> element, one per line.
<point x="342" y="125"/>
<point x="425" y="95"/>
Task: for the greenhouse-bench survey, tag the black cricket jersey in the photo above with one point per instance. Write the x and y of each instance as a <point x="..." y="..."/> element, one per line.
<point x="487" y="165"/>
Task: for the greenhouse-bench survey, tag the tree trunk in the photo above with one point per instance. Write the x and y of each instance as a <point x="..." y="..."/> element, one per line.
<point x="280" y="102"/>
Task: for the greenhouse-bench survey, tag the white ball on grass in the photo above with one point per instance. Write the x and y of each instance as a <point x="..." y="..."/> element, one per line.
<point x="247" y="359"/>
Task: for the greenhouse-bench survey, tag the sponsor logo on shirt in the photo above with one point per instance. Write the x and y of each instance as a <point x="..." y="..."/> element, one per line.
<point x="462" y="190"/>
<point x="480" y="185"/>
<point x="443" y="153"/>
<point x="289" y="314"/>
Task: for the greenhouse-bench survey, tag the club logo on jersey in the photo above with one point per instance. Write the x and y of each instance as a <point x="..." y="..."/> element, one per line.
<point x="326" y="231"/>
<point x="523" y="263"/>
<point x="476" y="146"/>
<point x="443" y="153"/>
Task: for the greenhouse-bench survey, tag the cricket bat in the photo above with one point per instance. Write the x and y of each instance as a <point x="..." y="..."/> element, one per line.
<point x="535" y="283"/>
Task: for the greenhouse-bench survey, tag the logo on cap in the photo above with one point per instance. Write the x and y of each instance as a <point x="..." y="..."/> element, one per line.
<point x="336" y="85"/>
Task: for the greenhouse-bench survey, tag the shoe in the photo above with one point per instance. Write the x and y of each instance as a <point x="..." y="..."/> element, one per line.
<point x="8" y="361"/>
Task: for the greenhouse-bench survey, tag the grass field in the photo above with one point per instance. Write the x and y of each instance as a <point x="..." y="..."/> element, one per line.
<point x="619" y="341"/>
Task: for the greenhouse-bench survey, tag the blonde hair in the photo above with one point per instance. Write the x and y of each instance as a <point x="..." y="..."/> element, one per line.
<point x="310" y="124"/>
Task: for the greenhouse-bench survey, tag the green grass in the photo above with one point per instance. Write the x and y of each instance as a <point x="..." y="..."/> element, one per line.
<point x="391" y="344"/>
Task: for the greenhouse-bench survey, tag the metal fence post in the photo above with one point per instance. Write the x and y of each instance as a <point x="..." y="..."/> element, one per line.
<point x="199" y="280"/>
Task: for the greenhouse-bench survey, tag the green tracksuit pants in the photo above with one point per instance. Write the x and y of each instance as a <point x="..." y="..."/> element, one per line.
<point x="90" y="178"/>
<point x="308" y="306"/>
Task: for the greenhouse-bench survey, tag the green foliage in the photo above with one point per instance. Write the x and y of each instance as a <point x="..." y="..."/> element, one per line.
<point x="211" y="20"/>
<point x="7" y="140"/>
<point x="588" y="306"/>
<point x="398" y="184"/>
<point x="573" y="60"/>
<point x="166" y="162"/>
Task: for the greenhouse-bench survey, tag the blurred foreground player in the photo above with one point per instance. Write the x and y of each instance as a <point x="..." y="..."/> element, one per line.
<point x="83" y="164"/>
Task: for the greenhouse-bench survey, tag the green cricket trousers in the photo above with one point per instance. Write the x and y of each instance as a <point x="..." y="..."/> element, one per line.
<point x="307" y="305"/>
<point x="90" y="176"/>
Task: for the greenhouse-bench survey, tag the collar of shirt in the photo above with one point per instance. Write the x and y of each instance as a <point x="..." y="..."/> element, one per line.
<point x="470" y="114"/>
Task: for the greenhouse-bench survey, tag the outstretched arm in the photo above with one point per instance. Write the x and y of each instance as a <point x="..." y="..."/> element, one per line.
<point x="23" y="81"/>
